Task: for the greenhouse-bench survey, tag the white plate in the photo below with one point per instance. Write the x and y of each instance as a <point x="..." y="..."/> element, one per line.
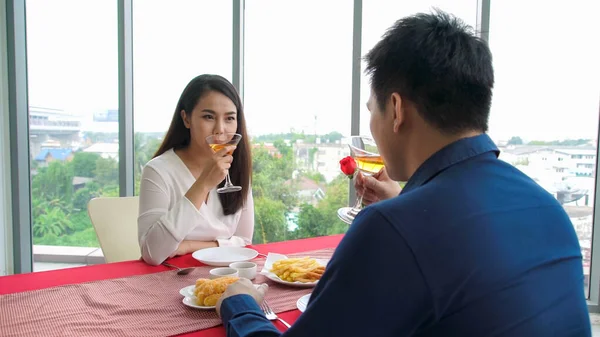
<point x="187" y="291"/>
<point x="266" y="270"/>
<point x="303" y="302"/>
<point x="191" y="302"/>
<point x="223" y="256"/>
<point x="296" y="284"/>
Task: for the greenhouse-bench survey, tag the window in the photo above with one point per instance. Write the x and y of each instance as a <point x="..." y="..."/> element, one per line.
<point x="545" y="60"/>
<point x="298" y="87"/>
<point x="173" y="43"/>
<point x="379" y="15"/>
<point x="73" y="91"/>
<point x="298" y="77"/>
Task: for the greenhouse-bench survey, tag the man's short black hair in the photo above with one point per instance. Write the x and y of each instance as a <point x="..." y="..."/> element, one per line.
<point x="436" y="62"/>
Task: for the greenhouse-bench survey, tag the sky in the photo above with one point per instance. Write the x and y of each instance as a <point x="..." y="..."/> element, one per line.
<point x="298" y="60"/>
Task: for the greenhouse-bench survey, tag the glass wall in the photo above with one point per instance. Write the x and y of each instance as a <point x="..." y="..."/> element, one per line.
<point x="171" y="45"/>
<point x="379" y="15"/>
<point x="298" y="89"/>
<point x="545" y="107"/>
<point x="73" y="125"/>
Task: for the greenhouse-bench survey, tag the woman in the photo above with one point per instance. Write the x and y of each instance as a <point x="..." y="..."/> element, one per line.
<point x="180" y="210"/>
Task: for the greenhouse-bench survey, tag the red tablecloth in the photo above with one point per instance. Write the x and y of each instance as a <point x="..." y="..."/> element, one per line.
<point x="40" y="280"/>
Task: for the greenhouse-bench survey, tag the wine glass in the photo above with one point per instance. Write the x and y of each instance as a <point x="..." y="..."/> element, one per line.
<point x="216" y="143"/>
<point x="369" y="162"/>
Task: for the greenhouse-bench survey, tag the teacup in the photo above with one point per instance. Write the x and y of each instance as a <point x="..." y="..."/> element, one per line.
<point x="245" y="269"/>
<point x="222" y="272"/>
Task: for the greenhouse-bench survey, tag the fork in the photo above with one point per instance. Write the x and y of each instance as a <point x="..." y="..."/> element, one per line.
<point x="271" y="316"/>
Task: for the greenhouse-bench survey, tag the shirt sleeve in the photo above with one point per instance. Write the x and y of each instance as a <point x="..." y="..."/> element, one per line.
<point x="373" y="277"/>
<point x="245" y="229"/>
<point x="242" y="316"/>
<point x="160" y="229"/>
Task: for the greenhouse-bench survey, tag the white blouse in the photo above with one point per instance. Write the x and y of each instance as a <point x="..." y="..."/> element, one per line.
<point x="167" y="217"/>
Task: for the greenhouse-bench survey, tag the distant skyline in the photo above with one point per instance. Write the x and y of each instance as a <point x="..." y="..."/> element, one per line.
<point x="88" y="125"/>
<point x="547" y="75"/>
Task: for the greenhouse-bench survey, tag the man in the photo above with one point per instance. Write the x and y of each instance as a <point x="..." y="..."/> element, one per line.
<point x="471" y="247"/>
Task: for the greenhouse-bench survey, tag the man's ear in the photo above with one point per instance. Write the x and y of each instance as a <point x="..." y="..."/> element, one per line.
<point x="397" y="107"/>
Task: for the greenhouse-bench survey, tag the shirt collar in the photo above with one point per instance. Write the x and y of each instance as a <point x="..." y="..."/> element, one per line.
<point x="451" y="154"/>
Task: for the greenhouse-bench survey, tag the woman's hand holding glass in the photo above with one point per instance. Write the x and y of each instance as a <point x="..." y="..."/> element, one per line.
<point x="213" y="172"/>
<point x="216" y="168"/>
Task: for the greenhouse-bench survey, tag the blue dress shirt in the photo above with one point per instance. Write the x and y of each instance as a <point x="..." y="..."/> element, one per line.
<point x="472" y="247"/>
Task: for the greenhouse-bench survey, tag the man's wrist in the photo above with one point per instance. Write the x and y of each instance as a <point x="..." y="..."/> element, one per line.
<point x="236" y="305"/>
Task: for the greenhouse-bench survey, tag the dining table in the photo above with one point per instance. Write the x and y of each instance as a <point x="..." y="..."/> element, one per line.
<point x="62" y="299"/>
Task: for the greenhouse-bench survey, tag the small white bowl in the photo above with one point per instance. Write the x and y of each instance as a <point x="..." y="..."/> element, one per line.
<point x="222" y="272"/>
<point x="245" y="269"/>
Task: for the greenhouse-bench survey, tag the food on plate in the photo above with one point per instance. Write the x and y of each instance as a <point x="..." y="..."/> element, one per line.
<point x="304" y="269"/>
<point x="208" y="292"/>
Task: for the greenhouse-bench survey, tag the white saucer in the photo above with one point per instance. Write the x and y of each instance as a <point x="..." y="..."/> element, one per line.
<point x="191" y="302"/>
<point x="187" y="291"/>
<point x="302" y="302"/>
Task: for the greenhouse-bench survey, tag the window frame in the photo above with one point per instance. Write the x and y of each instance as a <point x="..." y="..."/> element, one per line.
<point x="21" y="225"/>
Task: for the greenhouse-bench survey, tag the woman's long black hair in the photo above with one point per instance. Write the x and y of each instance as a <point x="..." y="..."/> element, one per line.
<point x="178" y="136"/>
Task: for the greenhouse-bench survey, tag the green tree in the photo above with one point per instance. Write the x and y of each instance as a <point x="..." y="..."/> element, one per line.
<point x="145" y="145"/>
<point x="315" y="176"/>
<point x="275" y="193"/>
<point x="52" y="223"/>
<point x="101" y="137"/>
<point x="311" y="157"/>
<point x="54" y="182"/>
<point x="515" y="140"/>
<point x="84" y="164"/>
<point x="322" y="219"/>
<point x="292" y="136"/>
<point x="144" y="148"/>
<point x="41" y="206"/>
<point x="81" y="222"/>
<point x="311" y="222"/>
<point x="83" y="238"/>
<point x="566" y="142"/>
<point x="269" y="224"/>
<point x="332" y="137"/>
<point x="270" y="174"/>
<point x="336" y="196"/>
<point x="106" y="172"/>
<point x="284" y="149"/>
<point x="83" y="196"/>
<point x="110" y="191"/>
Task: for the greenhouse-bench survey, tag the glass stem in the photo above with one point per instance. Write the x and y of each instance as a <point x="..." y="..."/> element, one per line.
<point x="228" y="180"/>
<point x="358" y="205"/>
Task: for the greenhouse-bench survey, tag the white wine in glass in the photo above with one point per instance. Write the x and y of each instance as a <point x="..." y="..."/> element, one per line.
<point x="218" y="147"/>
<point x="369" y="162"/>
<point x="216" y="143"/>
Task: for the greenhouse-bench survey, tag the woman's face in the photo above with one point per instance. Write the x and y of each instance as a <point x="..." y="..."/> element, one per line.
<point x="214" y="114"/>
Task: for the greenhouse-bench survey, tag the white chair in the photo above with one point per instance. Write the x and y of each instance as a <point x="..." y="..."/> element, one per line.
<point x="115" y="222"/>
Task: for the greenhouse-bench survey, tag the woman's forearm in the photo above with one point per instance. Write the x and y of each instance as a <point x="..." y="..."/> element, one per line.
<point x="197" y="194"/>
<point x="190" y="246"/>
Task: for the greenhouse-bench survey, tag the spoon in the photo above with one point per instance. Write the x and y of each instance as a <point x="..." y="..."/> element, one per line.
<point x="180" y="271"/>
